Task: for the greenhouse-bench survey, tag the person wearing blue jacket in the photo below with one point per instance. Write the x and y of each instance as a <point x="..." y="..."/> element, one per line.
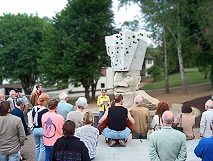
<point x="204" y="148"/>
<point x="17" y="111"/>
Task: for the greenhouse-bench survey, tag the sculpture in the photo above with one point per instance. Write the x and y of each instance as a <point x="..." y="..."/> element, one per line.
<point x="127" y="50"/>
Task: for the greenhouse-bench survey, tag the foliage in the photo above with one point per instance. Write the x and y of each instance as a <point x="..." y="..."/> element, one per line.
<point x="204" y="40"/>
<point x="131" y="25"/>
<point x="189" y="29"/>
<point x="76" y="49"/>
<point x="154" y="71"/>
<point x="20" y="39"/>
<point x="193" y="76"/>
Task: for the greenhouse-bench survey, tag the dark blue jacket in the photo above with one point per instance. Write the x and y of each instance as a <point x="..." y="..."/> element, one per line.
<point x="69" y="148"/>
<point x="17" y="112"/>
<point x="204" y="149"/>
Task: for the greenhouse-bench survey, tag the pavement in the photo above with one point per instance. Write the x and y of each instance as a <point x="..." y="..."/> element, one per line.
<point x="135" y="150"/>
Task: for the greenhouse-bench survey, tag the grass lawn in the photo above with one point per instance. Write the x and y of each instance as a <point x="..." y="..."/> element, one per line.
<point x="192" y="75"/>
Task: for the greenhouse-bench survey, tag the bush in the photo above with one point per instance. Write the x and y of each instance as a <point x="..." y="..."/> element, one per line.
<point x="154" y="71"/>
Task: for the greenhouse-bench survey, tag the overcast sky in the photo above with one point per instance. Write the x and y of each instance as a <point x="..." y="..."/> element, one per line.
<point x="50" y="7"/>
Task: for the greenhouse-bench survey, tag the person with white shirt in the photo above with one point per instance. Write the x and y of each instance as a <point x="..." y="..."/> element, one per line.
<point x="88" y="134"/>
<point x="206" y="119"/>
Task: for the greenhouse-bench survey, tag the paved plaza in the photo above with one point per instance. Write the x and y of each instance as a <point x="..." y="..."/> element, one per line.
<point x="136" y="150"/>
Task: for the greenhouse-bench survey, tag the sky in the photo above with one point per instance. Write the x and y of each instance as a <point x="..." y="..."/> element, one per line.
<point x="50" y="7"/>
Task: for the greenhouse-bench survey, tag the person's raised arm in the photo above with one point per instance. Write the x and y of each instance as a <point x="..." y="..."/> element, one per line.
<point x="103" y="117"/>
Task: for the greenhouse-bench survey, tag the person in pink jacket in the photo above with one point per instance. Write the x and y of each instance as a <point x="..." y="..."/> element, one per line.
<point x="52" y="124"/>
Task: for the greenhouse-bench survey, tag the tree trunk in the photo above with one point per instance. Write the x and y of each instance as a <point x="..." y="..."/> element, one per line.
<point x="181" y="67"/>
<point x="87" y="94"/>
<point x="165" y="62"/>
<point x="1" y="80"/>
<point x="27" y="85"/>
<point x="94" y="85"/>
<point x="180" y="57"/>
<point x="86" y="85"/>
<point x="211" y="74"/>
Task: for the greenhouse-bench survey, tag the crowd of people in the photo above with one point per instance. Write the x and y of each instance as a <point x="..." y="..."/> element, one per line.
<point x="64" y="132"/>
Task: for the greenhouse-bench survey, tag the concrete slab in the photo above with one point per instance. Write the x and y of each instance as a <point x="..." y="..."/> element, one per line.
<point x="135" y="150"/>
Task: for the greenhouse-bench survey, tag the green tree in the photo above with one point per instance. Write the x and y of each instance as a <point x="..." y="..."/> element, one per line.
<point x="20" y="39"/>
<point x="167" y="19"/>
<point x="131" y="25"/>
<point x="78" y="43"/>
<point x="154" y="71"/>
<point x="204" y="17"/>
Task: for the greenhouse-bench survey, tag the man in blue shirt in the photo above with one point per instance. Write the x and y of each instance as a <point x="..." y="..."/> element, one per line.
<point x="17" y="111"/>
<point x="204" y="148"/>
<point x="63" y="107"/>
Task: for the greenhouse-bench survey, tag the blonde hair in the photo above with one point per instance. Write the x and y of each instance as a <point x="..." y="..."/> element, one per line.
<point x="88" y="118"/>
<point x="43" y="99"/>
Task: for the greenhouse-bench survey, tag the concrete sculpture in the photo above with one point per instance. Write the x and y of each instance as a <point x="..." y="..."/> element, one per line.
<point x="127" y="50"/>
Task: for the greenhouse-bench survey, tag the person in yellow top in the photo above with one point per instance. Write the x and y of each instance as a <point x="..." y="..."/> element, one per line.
<point x="103" y="102"/>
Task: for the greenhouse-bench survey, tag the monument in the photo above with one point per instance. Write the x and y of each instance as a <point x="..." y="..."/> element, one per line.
<point x="127" y="50"/>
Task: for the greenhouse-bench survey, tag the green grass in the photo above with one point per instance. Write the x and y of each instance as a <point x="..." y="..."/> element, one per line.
<point x="192" y="75"/>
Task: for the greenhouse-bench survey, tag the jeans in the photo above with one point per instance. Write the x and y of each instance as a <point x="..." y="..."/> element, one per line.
<point x="10" y="157"/>
<point x="112" y="134"/>
<point x="39" y="143"/>
<point x="101" y="113"/>
<point x="48" y="151"/>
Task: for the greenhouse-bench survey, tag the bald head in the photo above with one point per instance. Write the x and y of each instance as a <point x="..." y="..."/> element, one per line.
<point x="168" y="118"/>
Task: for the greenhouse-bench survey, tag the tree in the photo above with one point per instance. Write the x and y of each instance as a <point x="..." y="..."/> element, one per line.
<point x="131" y="25"/>
<point x="20" y="39"/>
<point x="78" y="43"/>
<point x="204" y="39"/>
<point x="161" y="16"/>
<point x="154" y="71"/>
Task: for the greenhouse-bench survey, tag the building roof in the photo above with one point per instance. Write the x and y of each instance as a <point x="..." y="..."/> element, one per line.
<point x="15" y="85"/>
<point x="149" y="57"/>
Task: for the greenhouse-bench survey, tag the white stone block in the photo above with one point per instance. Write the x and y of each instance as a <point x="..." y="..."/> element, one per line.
<point x="126" y="50"/>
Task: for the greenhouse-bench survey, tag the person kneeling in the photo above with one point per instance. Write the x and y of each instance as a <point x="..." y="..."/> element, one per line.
<point x="117" y="117"/>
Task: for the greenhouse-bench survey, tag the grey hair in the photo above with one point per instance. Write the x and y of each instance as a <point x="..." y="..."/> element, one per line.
<point x="81" y="102"/>
<point x="12" y="92"/>
<point x="20" y="101"/>
<point x="168" y="117"/>
<point x="63" y="95"/>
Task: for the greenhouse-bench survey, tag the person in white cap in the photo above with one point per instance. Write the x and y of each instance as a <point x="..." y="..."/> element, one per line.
<point x="77" y="116"/>
<point x="206" y="118"/>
